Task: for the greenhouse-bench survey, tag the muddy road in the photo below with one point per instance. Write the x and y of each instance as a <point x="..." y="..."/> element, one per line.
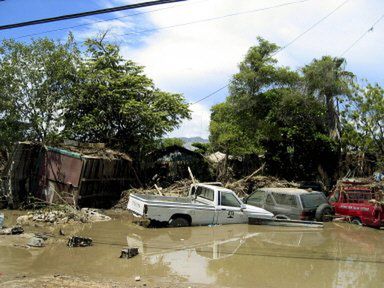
<point x="340" y="255"/>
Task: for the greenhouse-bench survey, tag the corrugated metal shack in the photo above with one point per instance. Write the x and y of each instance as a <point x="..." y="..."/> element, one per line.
<point x="86" y="176"/>
<point x="171" y="164"/>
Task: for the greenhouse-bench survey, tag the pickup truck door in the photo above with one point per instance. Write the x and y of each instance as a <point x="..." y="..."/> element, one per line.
<point x="229" y="210"/>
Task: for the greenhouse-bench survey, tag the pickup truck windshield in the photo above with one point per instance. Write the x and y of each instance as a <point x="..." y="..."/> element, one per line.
<point x="228" y="199"/>
<point x="312" y="200"/>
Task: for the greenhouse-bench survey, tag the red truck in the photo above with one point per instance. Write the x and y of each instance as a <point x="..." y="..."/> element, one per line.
<point x="359" y="202"/>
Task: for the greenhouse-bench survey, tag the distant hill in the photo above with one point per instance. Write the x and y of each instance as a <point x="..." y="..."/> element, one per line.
<point x="189" y="140"/>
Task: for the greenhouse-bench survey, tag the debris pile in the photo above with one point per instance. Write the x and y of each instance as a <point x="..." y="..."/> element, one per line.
<point x="247" y="185"/>
<point x="129" y="253"/>
<point x="62" y="215"/>
<point x="76" y="241"/>
<point x="16" y="230"/>
<point x="178" y="188"/>
<point x="36" y="242"/>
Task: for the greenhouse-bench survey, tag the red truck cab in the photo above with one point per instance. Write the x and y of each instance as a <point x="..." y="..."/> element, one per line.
<point x="358" y="203"/>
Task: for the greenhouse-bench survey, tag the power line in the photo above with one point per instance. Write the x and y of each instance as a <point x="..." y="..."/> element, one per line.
<point x="88" y="13"/>
<point x="314" y="25"/>
<point x="362" y="35"/>
<point x="214" y="18"/>
<point x="282" y="48"/>
<point x="104" y="20"/>
<point x="209" y="95"/>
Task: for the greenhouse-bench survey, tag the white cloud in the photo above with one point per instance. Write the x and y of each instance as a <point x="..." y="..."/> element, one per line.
<point x="193" y="59"/>
<point x="197" y="126"/>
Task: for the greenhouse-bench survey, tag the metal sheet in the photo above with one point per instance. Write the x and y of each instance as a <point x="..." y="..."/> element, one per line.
<point x="63" y="168"/>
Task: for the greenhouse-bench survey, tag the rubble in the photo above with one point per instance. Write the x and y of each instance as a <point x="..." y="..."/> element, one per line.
<point x="36" y="242"/>
<point x="77" y="241"/>
<point x="17" y="230"/>
<point x="178" y="188"/>
<point x="246" y="185"/>
<point x="63" y="215"/>
<point x="129" y="253"/>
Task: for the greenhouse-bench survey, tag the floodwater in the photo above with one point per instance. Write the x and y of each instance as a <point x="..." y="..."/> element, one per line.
<point x="340" y="255"/>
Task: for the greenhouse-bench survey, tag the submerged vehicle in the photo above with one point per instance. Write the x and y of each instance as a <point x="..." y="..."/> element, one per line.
<point x="292" y="203"/>
<point x="359" y="202"/>
<point x="206" y="204"/>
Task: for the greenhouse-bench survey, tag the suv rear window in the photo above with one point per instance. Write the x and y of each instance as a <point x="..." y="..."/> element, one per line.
<point x="312" y="200"/>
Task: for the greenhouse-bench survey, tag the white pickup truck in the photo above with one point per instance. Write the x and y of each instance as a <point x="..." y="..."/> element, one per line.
<point x="206" y="204"/>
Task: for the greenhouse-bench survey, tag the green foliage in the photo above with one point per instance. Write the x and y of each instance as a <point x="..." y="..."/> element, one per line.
<point x="167" y="142"/>
<point x="295" y="137"/>
<point x="117" y="104"/>
<point x="225" y="132"/>
<point x="236" y="125"/>
<point x="201" y="148"/>
<point x="36" y="81"/>
<point x="327" y="80"/>
<point x="50" y="91"/>
<point x="363" y="120"/>
<point x="269" y="112"/>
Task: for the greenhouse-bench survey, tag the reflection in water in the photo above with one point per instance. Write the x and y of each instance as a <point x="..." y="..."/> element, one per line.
<point x="337" y="256"/>
<point x="340" y="255"/>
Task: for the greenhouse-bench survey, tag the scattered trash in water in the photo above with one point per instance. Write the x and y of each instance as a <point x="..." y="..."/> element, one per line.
<point x="36" y="242"/>
<point x="76" y="241"/>
<point x="65" y="214"/>
<point x="43" y="236"/>
<point x="12" y="231"/>
<point x="1" y="220"/>
<point x="129" y="253"/>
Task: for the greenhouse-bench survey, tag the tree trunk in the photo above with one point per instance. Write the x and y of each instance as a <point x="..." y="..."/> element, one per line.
<point x="333" y="119"/>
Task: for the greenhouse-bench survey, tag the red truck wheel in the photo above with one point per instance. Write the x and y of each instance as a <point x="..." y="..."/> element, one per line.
<point x="356" y="221"/>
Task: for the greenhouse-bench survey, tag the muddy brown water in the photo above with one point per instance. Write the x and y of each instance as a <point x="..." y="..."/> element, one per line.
<point x="340" y="255"/>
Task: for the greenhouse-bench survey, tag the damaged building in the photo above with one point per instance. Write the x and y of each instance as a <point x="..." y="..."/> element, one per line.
<point x="170" y="164"/>
<point x="82" y="176"/>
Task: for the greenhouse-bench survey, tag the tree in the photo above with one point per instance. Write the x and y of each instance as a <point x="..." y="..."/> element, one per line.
<point x="256" y="87"/>
<point x="201" y="148"/>
<point x="225" y="133"/>
<point x="36" y="81"/>
<point x="268" y="112"/>
<point x="167" y="142"/>
<point x="363" y="120"/>
<point x="295" y="138"/>
<point x="327" y="80"/>
<point x="118" y="105"/>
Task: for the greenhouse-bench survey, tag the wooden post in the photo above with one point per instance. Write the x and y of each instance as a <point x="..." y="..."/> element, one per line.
<point x="191" y="175"/>
<point x="158" y="190"/>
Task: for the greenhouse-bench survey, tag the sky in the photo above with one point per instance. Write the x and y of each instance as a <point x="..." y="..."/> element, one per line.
<point x="185" y="49"/>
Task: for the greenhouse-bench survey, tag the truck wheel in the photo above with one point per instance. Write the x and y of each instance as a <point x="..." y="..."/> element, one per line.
<point x="356" y="221"/>
<point x="324" y="213"/>
<point x="178" y="222"/>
